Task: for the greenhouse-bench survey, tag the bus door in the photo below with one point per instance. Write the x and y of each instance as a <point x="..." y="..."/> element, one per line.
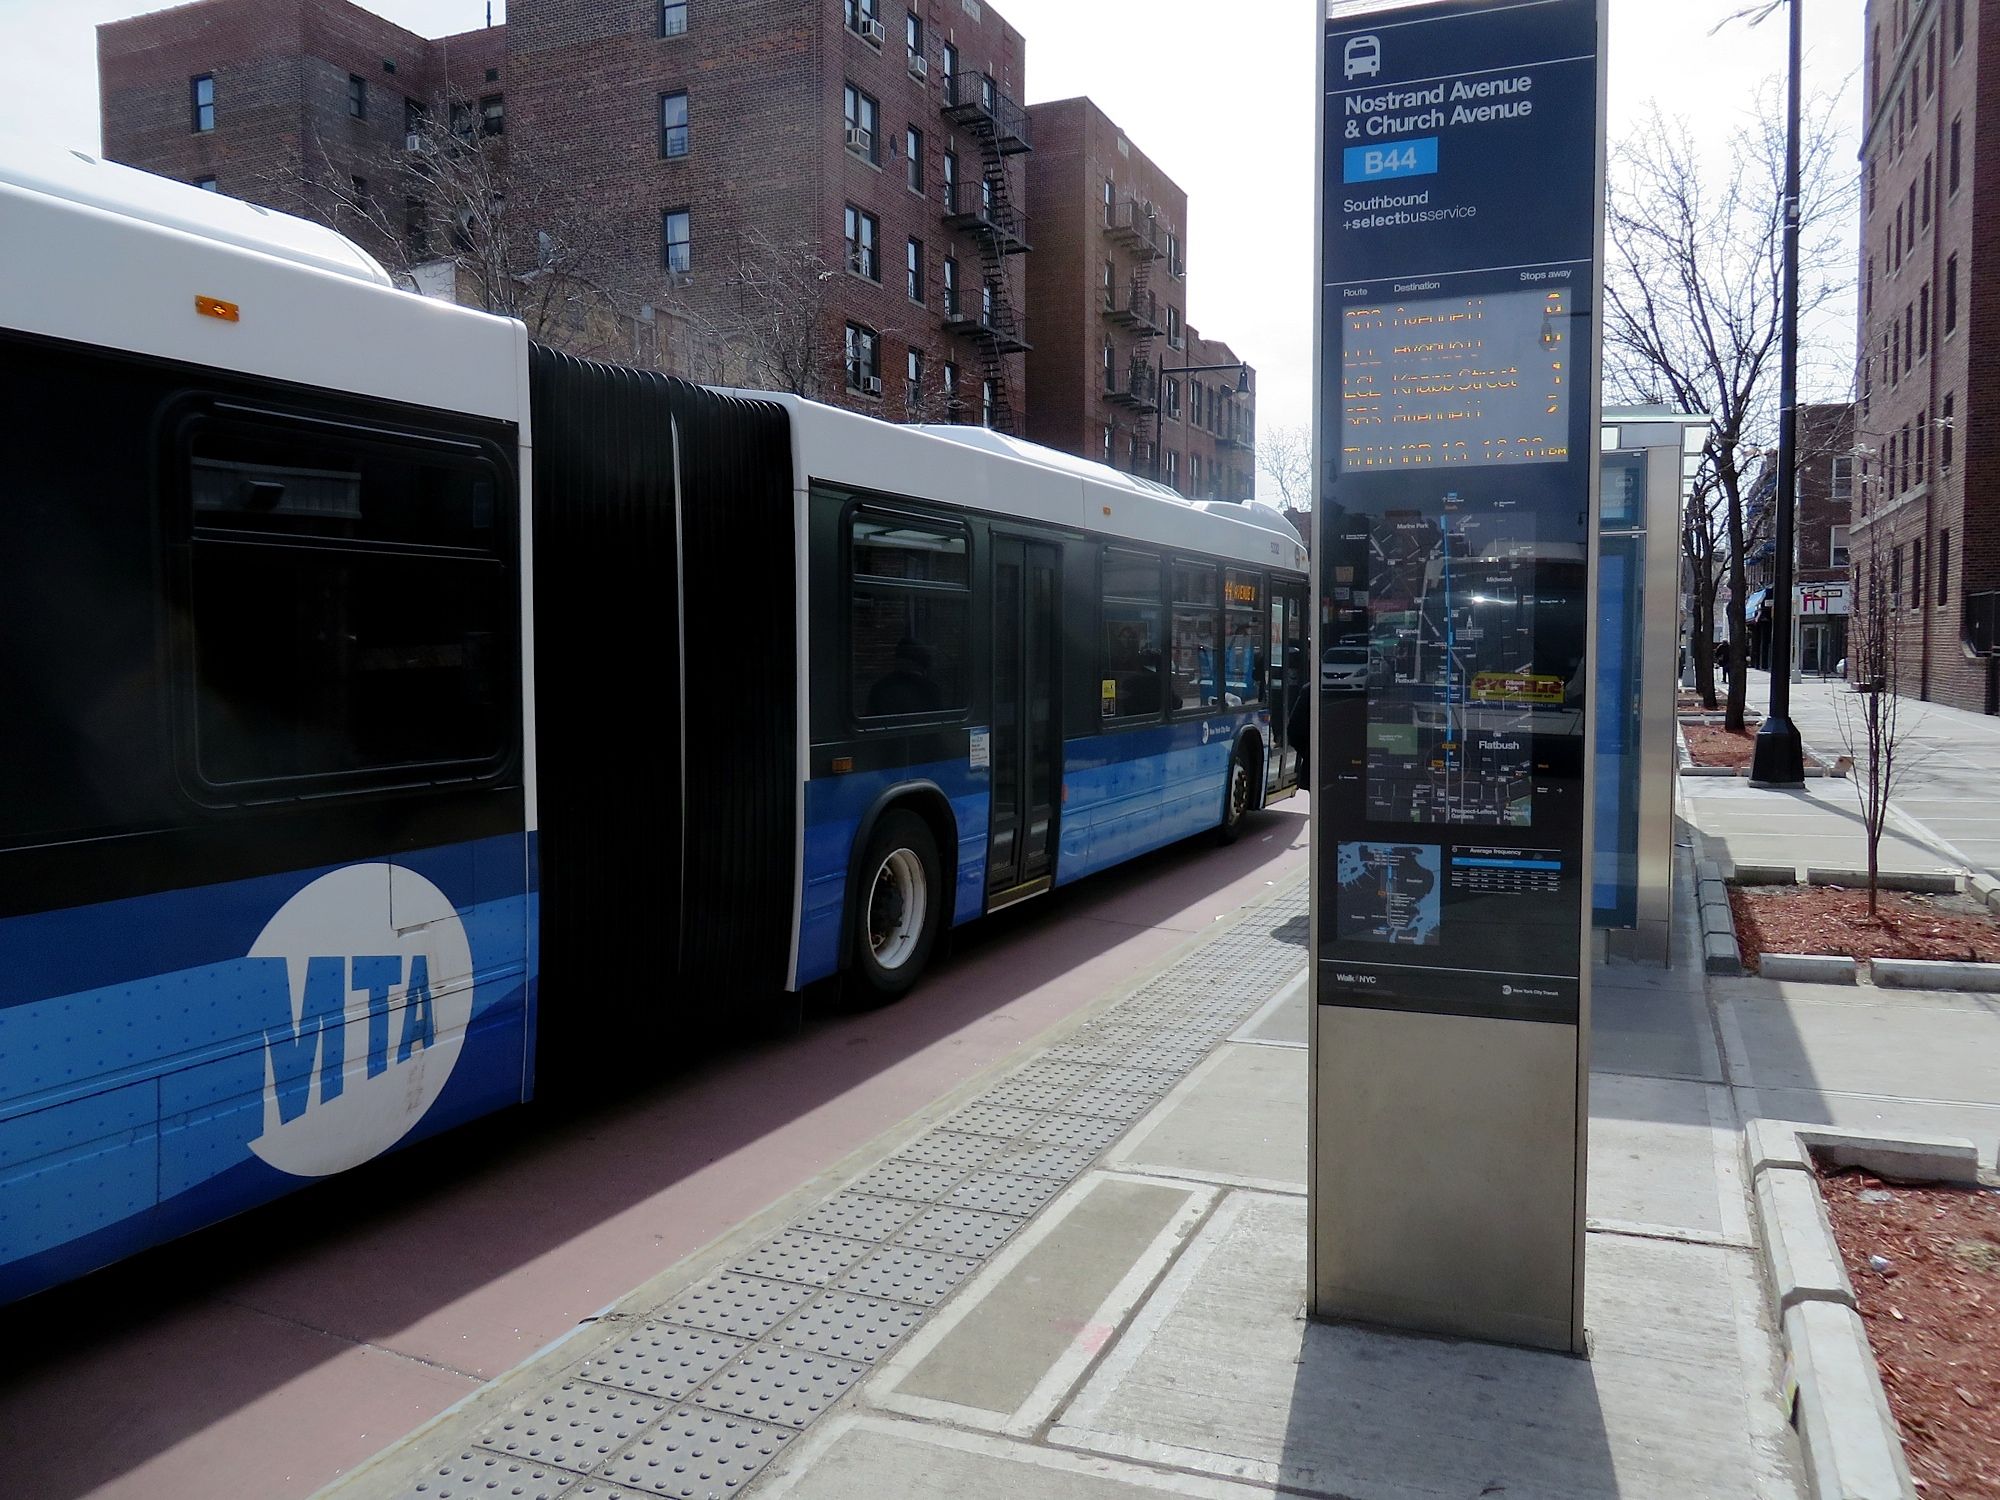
<point x="1026" y="745"/>
<point x="1290" y="689"/>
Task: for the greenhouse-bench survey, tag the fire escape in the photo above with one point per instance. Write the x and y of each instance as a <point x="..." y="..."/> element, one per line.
<point x="998" y="226"/>
<point x="1136" y="227"/>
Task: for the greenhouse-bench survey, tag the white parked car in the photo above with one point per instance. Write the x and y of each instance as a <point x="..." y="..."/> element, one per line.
<point x="1344" y="669"/>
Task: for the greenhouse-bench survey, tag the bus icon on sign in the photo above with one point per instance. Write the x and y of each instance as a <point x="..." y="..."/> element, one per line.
<point x="1364" y="57"/>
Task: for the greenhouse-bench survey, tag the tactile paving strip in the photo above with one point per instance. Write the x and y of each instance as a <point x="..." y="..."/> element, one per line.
<point x="576" y="1428"/>
<point x="696" y="1400"/>
<point x="697" y="1455"/>
<point x="663" y="1361"/>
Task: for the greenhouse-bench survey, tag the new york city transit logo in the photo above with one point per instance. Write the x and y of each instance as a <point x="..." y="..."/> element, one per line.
<point x="380" y="991"/>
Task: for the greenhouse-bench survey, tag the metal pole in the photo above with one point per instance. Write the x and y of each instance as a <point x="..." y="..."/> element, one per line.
<point x="1778" y="759"/>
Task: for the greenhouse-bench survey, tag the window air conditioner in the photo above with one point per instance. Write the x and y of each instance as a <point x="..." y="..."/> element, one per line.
<point x="873" y="31"/>
<point x="413" y="142"/>
<point x="920" y="66"/>
<point x="872" y="384"/>
<point x="858" y="139"/>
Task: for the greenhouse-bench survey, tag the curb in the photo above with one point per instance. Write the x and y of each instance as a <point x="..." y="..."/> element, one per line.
<point x="1811" y="968"/>
<point x="1985" y="888"/>
<point x="1846" y="1431"/>
<point x="1934" y="974"/>
<point x="1720" y="954"/>
<point x="1927" y="882"/>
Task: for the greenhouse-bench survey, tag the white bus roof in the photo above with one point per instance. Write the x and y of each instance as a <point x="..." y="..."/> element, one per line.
<point x="930" y="462"/>
<point x="105" y="255"/>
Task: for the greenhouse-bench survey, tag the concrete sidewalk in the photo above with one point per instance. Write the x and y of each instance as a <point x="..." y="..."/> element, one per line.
<point x="1086" y="1279"/>
<point x="1947" y="792"/>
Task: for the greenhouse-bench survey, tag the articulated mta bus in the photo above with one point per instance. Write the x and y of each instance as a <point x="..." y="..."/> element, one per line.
<point x="394" y="709"/>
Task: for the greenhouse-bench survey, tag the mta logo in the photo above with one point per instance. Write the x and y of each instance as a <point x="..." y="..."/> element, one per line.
<point x="320" y="1030"/>
<point x="370" y="1020"/>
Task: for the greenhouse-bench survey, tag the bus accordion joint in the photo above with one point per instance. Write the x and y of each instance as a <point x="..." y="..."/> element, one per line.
<point x="215" y="307"/>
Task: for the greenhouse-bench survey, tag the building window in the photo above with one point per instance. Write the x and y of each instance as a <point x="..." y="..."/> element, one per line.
<point x="913" y="158"/>
<point x="1944" y="567"/>
<point x="1836" y="550"/>
<point x="861" y="19"/>
<point x="1170" y="396"/>
<point x="951" y="182"/>
<point x="1951" y="294"/>
<point x="673" y="17"/>
<point x="1843" y="479"/>
<point x="415" y="233"/>
<point x="678" y="225"/>
<point x="493" y="115"/>
<point x="1176" y="334"/>
<point x="1174" y="266"/>
<point x="1955" y="159"/>
<point x="1110" y="286"/>
<point x="863" y="118"/>
<point x="910" y="610"/>
<point x="1896" y="577"/>
<point x="359" y="188"/>
<point x="913" y="38"/>
<point x="674" y="124"/>
<point x="463" y="123"/>
<point x="987" y="392"/>
<point x="1909" y="335"/>
<point x="864" y="360"/>
<point x="357" y="96"/>
<point x="948" y="68"/>
<point x="913" y="269"/>
<point x="1106" y="456"/>
<point x="950" y="382"/>
<point x="1957" y="26"/>
<point x="1924" y="319"/>
<point x="1918" y="578"/>
<point x="913" y="379"/>
<point x="1173" y="471"/>
<point x="1110" y="201"/>
<point x="1110" y="367"/>
<point x="1947" y="432"/>
<point x="1927" y="189"/>
<point x="201" y="103"/>
<point x="207" y="184"/>
<point x="862" y="236"/>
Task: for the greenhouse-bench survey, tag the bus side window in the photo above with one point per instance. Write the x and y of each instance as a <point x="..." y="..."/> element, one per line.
<point x="910" y="605"/>
<point x="352" y="611"/>
<point x="1132" y="677"/>
<point x="1197" y="653"/>
<point x="1242" y="637"/>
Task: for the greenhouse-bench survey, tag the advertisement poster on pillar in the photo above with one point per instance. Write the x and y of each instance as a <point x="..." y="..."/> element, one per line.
<point x="1457" y="432"/>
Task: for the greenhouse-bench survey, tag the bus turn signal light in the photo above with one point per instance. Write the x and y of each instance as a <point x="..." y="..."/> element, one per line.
<point x="215" y="307"/>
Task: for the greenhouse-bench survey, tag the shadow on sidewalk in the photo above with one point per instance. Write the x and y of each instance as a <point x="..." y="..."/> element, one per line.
<point x="121" y="1367"/>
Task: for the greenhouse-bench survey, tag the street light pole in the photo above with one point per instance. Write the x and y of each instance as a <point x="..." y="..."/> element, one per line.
<point x="1778" y="758"/>
<point x="1242" y="370"/>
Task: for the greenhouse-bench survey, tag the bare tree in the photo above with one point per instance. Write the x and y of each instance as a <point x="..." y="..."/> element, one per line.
<point x="779" y="329"/>
<point x="1284" y="456"/>
<point x="1694" y="296"/>
<point x="458" y="205"/>
<point x="1872" y="725"/>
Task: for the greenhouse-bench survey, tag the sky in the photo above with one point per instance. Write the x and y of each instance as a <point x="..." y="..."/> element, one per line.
<point x="1219" y="94"/>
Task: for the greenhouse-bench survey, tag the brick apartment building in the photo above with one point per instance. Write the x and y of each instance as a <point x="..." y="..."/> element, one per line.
<point x="1107" y="294"/>
<point x="1926" y="521"/>
<point x="840" y="165"/>
<point x="1821" y="567"/>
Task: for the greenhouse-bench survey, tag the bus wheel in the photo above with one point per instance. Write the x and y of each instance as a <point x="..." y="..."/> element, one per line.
<point x="1236" y="795"/>
<point x="898" y="908"/>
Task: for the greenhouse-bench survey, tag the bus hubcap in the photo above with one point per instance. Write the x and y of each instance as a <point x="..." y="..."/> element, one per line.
<point x="1239" y="791"/>
<point x="897" y="904"/>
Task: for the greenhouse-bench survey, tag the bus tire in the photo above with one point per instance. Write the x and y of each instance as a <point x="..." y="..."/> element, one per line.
<point x="1239" y="794"/>
<point x="899" y="906"/>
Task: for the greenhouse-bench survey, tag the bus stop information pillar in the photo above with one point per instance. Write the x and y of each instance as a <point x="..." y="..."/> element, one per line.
<point x="1460" y="266"/>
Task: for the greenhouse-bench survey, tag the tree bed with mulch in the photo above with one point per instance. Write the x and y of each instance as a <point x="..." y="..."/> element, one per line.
<point x="1831" y="919"/>
<point x="1713" y="745"/>
<point x="1925" y="1264"/>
